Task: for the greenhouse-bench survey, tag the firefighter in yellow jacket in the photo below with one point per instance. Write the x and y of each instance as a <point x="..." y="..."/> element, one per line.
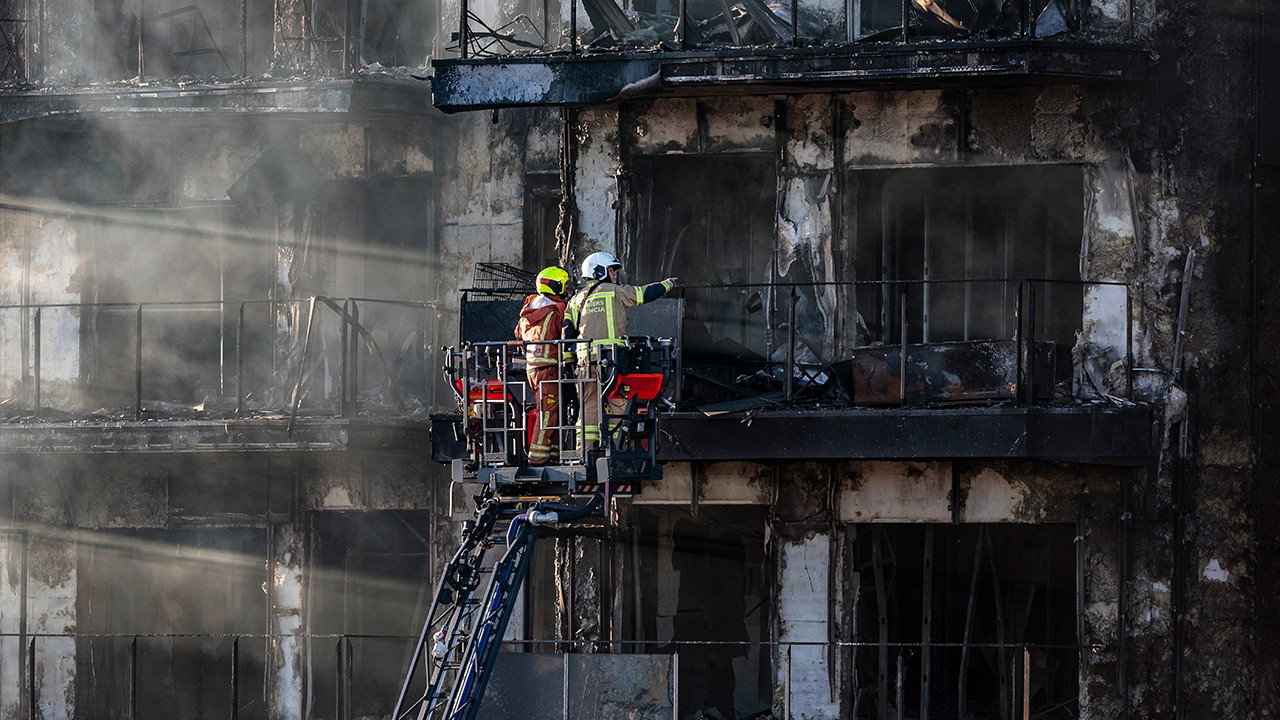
<point x="598" y="313"/>
<point x="542" y="319"/>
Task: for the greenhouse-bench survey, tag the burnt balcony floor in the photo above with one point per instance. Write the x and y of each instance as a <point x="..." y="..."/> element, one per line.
<point x="1081" y="433"/>
<point x="308" y="96"/>
<point x="263" y="433"/>
<point x="558" y="79"/>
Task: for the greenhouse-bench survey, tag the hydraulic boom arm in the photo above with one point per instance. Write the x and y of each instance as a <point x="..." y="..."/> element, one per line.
<point x="465" y="632"/>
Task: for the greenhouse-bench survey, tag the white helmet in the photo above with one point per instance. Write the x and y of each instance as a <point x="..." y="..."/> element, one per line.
<point x="596" y="266"/>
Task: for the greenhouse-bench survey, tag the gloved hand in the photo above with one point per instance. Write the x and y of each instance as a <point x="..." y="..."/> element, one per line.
<point x="671" y="280"/>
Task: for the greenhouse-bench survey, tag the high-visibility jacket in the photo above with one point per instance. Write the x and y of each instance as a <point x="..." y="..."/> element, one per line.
<point x="599" y="312"/>
<point x="541" y="318"/>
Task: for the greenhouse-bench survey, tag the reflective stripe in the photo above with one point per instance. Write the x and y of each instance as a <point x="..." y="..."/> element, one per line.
<point x="639" y="295"/>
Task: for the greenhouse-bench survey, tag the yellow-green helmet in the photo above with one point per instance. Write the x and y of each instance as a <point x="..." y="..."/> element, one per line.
<point x="552" y="280"/>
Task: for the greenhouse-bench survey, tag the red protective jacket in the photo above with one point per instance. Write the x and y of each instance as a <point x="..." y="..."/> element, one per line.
<point x="541" y="318"/>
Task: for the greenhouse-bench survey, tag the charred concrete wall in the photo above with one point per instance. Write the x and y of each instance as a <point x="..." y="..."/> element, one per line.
<point x="1163" y="174"/>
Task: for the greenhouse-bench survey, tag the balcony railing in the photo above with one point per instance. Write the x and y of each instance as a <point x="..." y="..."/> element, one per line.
<point x="907" y="343"/>
<point x="490" y="29"/>
<point x="353" y="675"/>
<point x="259" y="358"/>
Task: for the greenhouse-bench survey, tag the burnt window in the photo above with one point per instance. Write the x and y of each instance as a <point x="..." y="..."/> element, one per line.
<point x="974" y="234"/>
<point x="186" y="593"/>
<point x="708" y="221"/>
<point x="882" y="19"/>
<point x="951" y="609"/>
<point x="541" y="215"/>
<point x="398" y="32"/>
<point x="368" y="582"/>
<point x="186" y="348"/>
<point x="701" y="588"/>
<point x="181" y="38"/>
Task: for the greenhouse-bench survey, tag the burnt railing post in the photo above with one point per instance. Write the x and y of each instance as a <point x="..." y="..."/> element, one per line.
<point x="345" y="676"/>
<point x="1031" y="344"/>
<point x="343" y="358"/>
<point x="464" y="27"/>
<point x="354" y="372"/>
<point x="906" y="18"/>
<point x="791" y="347"/>
<point x="133" y="678"/>
<point x="240" y="361"/>
<point x="1128" y="341"/>
<point x="795" y="22"/>
<point x="337" y="685"/>
<point x="235" y="677"/>
<point x="141" y="29"/>
<point x="902" y="346"/>
<point x="35" y="360"/>
<point x="682" y="23"/>
<point x="137" y="367"/>
<point x="1019" y="350"/>
<point x="243" y="17"/>
<point x="32" y="700"/>
<point x="1026" y="683"/>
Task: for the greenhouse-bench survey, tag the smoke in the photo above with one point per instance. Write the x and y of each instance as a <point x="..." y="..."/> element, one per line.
<point x="193" y="219"/>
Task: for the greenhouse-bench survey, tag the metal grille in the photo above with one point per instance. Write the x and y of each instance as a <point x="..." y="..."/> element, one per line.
<point x="501" y="279"/>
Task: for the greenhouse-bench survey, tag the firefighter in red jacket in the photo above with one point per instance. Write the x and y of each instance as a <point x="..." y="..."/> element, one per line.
<point x="542" y="319"/>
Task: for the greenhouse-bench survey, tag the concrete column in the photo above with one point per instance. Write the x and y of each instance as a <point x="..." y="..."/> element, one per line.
<point x="286" y="686"/>
<point x="578" y="580"/>
<point x="804" y="618"/>
<point x="50" y="570"/>
<point x="12" y="623"/>
<point x="599" y="163"/>
<point x="805" y="594"/>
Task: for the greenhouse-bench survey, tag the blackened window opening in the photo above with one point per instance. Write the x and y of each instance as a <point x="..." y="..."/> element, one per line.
<point x="983" y="225"/>
<point x="179" y="38"/>
<point x="709" y="221"/>
<point x="541" y="215"/>
<point x="958" y="604"/>
<point x="701" y="589"/>
<point x="365" y="583"/>
<point x="187" y="591"/>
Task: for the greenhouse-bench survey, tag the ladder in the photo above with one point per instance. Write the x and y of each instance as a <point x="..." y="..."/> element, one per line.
<point x="463" y="630"/>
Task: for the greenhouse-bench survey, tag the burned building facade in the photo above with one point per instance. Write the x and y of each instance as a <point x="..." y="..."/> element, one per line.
<point x="973" y="416"/>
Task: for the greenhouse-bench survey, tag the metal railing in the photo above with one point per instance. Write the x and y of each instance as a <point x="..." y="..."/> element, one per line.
<point x="557" y="26"/>
<point x="924" y="339"/>
<point x="492" y="385"/>
<point x="355" y="675"/>
<point x="217" y="41"/>
<point x="242" y="358"/>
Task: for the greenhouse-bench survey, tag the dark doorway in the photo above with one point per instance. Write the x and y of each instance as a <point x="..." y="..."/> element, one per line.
<point x="369" y="584"/>
<point x="710" y="221"/>
<point x="701" y="588"/>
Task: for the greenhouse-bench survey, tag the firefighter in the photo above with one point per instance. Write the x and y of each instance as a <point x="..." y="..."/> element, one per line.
<point x="542" y="319"/>
<point x="598" y="313"/>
